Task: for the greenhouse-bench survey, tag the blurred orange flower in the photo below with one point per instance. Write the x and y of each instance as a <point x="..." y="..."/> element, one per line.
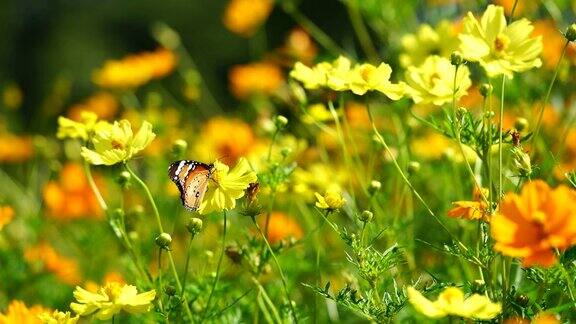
<point x="470" y="210"/>
<point x="18" y="313"/>
<point x="224" y="139"/>
<point x="135" y="70"/>
<point x="532" y="224"/>
<point x="15" y="149"/>
<point x="6" y="216"/>
<point x="255" y="78"/>
<point x="522" y="7"/>
<point x="243" y="17"/>
<point x="71" y="197"/>
<point x="109" y="277"/>
<point x="63" y="268"/>
<point x="540" y="318"/>
<point x="103" y="104"/>
<point x="280" y="227"/>
<point x="299" y="46"/>
<point x="553" y="41"/>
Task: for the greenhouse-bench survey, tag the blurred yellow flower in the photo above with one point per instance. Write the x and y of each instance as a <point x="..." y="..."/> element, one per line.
<point x="135" y="70"/>
<point x="226" y="186"/>
<point x="15" y="149"/>
<point x="58" y="317"/>
<point x="12" y="96"/>
<point x="111" y="300"/>
<point x="498" y="47"/>
<point x="331" y="200"/>
<point x="341" y="75"/>
<point x="441" y="40"/>
<point x="18" y="313"/>
<point x="63" y="268"/>
<point x="71" y="197"/>
<point x="451" y="301"/>
<point x="256" y="78"/>
<point x="433" y="81"/>
<point x="83" y="129"/>
<point x="117" y="143"/>
<point x="103" y="104"/>
<point x="6" y="216"/>
<point x="243" y="17"/>
<point x="317" y="113"/>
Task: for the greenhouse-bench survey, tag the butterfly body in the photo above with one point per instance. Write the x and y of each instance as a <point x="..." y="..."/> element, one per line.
<point x="191" y="178"/>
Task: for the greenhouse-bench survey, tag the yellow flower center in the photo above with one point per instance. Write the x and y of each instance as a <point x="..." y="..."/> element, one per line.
<point x="117" y="144"/>
<point x="433" y="79"/>
<point x="501" y="43"/>
<point x="112" y="290"/>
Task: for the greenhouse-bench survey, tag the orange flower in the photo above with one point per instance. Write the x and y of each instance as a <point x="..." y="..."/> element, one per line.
<point x="468" y="209"/>
<point x="103" y="104"/>
<point x="522" y="7"/>
<point x="243" y="17"/>
<point x="108" y="278"/>
<point x="553" y="41"/>
<point x="135" y="70"/>
<point x="299" y="46"/>
<point x="6" y="216"/>
<point x="18" y="313"/>
<point x="534" y="223"/>
<point x="256" y="78"/>
<point x="62" y="267"/>
<point x="541" y="318"/>
<point x="281" y="227"/>
<point x="224" y="139"/>
<point x="71" y="197"/>
<point x="15" y="149"/>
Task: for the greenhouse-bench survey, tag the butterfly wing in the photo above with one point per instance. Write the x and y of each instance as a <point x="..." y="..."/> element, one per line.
<point x="191" y="177"/>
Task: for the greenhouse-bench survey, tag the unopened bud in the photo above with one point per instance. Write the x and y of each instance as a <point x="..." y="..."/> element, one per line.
<point x="375" y="185"/>
<point x="285" y="151"/>
<point x="280" y="122"/>
<point x="413" y="167"/>
<point x="124" y="179"/>
<point x="522" y="300"/>
<point x="486" y="90"/>
<point x="366" y="216"/>
<point x="179" y="148"/>
<point x="164" y="240"/>
<point x="521" y="161"/>
<point x="489" y="114"/>
<point x="571" y="33"/>
<point x="170" y="290"/>
<point x="521" y="124"/>
<point x="456" y="59"/>
<point x="194" y="226"/>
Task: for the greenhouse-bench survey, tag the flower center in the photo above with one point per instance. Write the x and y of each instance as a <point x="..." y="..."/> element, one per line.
<point x="112" y="290"/>
<point x="433" y="79"/>
<point x="501" y="43"/>
<point x="117" y="144"/>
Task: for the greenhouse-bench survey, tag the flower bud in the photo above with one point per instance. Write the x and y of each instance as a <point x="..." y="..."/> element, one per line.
<point x="179" y="148"/>
<point x="486" y="89"/>
<point x="298" y="93"/>
<point x="170" y="290"/>
<point x="366" y="216"/>
<point x="413" y="167"/>
<point x="375" y="185"/>
<point x="521" y="124"/>
<point x="164" y="240"/>
<point x="489" y="114"/>
<point x="571" y="33"/>
<point x="521" y="161"/>
<point x="194" y="226"/>
<point x="285" y="151"/>
<point x="280" y="122"/>
<point x="124" y="179"/>
<point x="456" y="58"/>
<point x="522" y="300"/>
<point x="233" y="253"/>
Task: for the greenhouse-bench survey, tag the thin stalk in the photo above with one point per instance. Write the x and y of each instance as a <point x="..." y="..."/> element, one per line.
<point x="361" y="31"/>
<point x="548" y="92"/>
<point x="282" y="277"/>
<point x="267" y="299"/>
<point x="186" y="264"/>
<point x="222" y="251"/>
<point x="160" y="281"/>
<point x="320" y="36"/>
<point x="94" y="188"/>
<point x="500" y="131"/>
<point x="161" y="229"/>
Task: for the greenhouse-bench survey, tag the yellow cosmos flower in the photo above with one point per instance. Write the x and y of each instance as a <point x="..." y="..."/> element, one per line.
<point x="441" y="40"/>
<point x="433" y="81"/>
<point x="226" y="186"/>
<point x="117" y="143"/>
<point x="498" y="47"/>
<point x="18" y="312"/>
<point x="68" y="128"/>
<point x="331" y="200"/>
<point x="341" y="75"/>
<point x="58" y="317"/>
<point x="451" y="301"/>
<point x="111" y="300"/>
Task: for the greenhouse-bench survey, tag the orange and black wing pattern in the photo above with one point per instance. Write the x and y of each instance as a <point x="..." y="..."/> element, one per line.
<point x="191" y="177"/>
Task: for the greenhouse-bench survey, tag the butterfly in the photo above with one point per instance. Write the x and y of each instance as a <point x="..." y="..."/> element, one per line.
<point x="192" y="178"/>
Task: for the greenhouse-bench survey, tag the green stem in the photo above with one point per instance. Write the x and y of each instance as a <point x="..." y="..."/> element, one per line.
<point x="569" y="280"/>
<point x="186" y="264"/>
<point x="267" y="300"/>
<point x="161" y="229"/>
<point x="311" y="28"/>
<point x="361" y="31"/>
<point x="548" y="92"/>
<point x="94" y="188"/>
<point x="282" y="277"/>
<point x="222" y="251"/>
<point x="500" y="132"/>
